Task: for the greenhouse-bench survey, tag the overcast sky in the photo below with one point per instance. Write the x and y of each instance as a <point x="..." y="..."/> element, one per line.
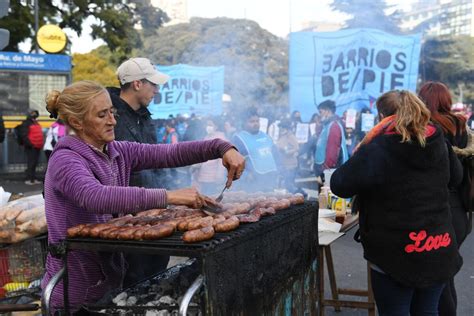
<point x="276" y="16"/>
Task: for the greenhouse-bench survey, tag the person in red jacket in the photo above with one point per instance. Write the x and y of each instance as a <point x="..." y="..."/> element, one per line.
<point x="32" y="137"/>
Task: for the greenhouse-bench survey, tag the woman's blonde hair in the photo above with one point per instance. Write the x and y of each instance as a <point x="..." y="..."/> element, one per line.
<point x="412" y="116"/>
<point x="73" y="101"/>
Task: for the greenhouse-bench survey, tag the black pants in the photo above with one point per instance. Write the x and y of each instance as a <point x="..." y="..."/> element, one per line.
<point x="448" y="301"/>
<point x="32" y="157"/>
<point x="142" y="267"/>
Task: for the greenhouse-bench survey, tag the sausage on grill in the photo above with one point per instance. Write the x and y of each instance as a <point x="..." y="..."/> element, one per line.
<point x="200" y="223"/>
<point x="226" y="226"/>
<point x="248" y="218"/>
<point x="197" y="235"/>
<point x="95" y="231"/>
<point x="158" y="231"/>
<point x="75" y="231"/>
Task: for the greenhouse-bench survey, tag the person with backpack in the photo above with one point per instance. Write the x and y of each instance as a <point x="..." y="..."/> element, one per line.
<point x="438" y="100"/>
<point x="30" y="135"/>
<point x="402" y="173"/>
<point x="55" y="132"/>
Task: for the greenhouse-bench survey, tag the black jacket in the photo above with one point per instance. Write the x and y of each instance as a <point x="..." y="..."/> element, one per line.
<point x="135" y="126"/>
<point x="23" y="130"/>
<point x="403" y="190"/>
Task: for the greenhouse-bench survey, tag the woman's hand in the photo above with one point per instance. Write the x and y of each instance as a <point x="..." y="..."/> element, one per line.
<point x="188" y="196"/>
<point x="235" y="165"/>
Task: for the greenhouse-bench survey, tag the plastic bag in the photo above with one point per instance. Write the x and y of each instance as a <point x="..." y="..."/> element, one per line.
<point x="22" y="219"/>
<point x="4" y="197"/>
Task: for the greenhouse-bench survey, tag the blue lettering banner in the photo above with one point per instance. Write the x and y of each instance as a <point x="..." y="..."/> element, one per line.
<point x="351" y="67"/>
<point x="38" y="62"/>
<point x="189" y="90"/>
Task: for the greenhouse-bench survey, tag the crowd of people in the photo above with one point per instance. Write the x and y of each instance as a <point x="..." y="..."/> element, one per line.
<point x="402" y="161"/>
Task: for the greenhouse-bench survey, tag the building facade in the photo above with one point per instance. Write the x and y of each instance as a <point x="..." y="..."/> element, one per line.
<point x="440" y="17"/>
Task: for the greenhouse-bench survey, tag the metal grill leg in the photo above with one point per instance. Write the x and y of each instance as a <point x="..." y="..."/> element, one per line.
<point x="183" y="307"/>
<point x="48" y="291"/>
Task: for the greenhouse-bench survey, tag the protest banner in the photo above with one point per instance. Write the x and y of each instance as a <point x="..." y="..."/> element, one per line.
<point x="189" y="90"/>
<point x="351" y="67"/>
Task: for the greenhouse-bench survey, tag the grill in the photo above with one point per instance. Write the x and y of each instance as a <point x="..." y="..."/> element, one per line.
<point x="267" y="267"/>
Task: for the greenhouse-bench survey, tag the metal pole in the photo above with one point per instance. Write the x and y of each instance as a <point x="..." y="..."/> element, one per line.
<point x="36" y="25"/>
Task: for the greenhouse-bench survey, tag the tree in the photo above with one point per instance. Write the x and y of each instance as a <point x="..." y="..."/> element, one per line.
<point x="114" y="23"/>
<point x="256" y="61"/>
<point x="368" y="14"/>
<point x="451" y="61"/>
<point x="91" y="67"/>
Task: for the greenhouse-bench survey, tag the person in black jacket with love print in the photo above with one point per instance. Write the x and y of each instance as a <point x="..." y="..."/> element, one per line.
<point x="402" y="172"/>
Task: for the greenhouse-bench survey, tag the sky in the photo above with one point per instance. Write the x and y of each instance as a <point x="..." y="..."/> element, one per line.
<point x="277" y="16"/>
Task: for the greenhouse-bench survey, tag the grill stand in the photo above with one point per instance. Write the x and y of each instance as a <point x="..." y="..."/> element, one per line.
<point x="183" y="307"/>
<point x="48" y="291"/>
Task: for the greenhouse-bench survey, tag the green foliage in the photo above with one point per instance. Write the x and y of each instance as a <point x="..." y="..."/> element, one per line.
<point x="368" y="14"/>
<point x="450" y="60"/>
<point x="256" y="61"/>
<point x="114" y="23"/>
<point x="91" y="66"/>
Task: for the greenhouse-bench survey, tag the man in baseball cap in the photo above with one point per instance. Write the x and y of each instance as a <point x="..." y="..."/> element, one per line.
<point x="140" y="68"/>
<point x="139" y="83"/>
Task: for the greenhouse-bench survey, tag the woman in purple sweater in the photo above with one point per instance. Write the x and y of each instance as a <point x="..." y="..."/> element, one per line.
<point x="87" y="181"/>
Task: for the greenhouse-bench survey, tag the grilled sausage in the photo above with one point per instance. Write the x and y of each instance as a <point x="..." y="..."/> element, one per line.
<point x="85" y="232"/>
<point x="226" y="226"/>
<point x="104" y="232"/>
<point x="184" y="222"/>
<point x="94" y="232"/>
<point x="153" y="212"/>
<point x="120" y="220"/>
<point x="113" y="233"/>
<point x="75" y="231"/>
<point x="197" y="235"/>
<point x="138" y="234"/>
<point x="127" y="234"/>
<point x="158" y="231"/>
<point x="217" y="219"/>
<point x="200" y="223"/>
<point x="248" y="218"/>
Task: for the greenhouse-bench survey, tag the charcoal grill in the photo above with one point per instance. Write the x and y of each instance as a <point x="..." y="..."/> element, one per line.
<point x="262" y="268"/>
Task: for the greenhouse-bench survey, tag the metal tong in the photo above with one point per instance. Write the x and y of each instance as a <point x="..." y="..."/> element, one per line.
<point x="211" y="209"/>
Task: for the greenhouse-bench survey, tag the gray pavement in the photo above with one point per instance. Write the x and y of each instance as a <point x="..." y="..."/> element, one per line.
<point x="351" y="272"/>
<point x="348" y="262"/>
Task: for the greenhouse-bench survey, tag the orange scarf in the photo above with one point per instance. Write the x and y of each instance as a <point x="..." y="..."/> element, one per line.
<point x="385" y="125"/>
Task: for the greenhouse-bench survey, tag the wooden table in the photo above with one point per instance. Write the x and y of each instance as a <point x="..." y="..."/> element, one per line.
<point x="325" y="241"/>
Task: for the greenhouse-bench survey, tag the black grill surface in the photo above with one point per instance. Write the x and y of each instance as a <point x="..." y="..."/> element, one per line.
<point x="247" y="270"/>
<point x="173" y="245"/>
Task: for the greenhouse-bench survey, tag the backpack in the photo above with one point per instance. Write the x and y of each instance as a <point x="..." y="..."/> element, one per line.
<point x="18" y="132"/>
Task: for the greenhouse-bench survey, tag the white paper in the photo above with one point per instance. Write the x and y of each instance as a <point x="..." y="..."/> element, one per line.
<point x="312" y="128"/>
<point x="328" y="225"/>
<point x="274" y="131"/>
<point x="302" y="132"/>
<point x="263" y="124"/>
<point x="367" y="121"/>
<point x="351" y="115"/>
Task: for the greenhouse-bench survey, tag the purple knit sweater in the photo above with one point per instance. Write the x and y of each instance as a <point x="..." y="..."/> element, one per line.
<point x="84" y="185"/>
